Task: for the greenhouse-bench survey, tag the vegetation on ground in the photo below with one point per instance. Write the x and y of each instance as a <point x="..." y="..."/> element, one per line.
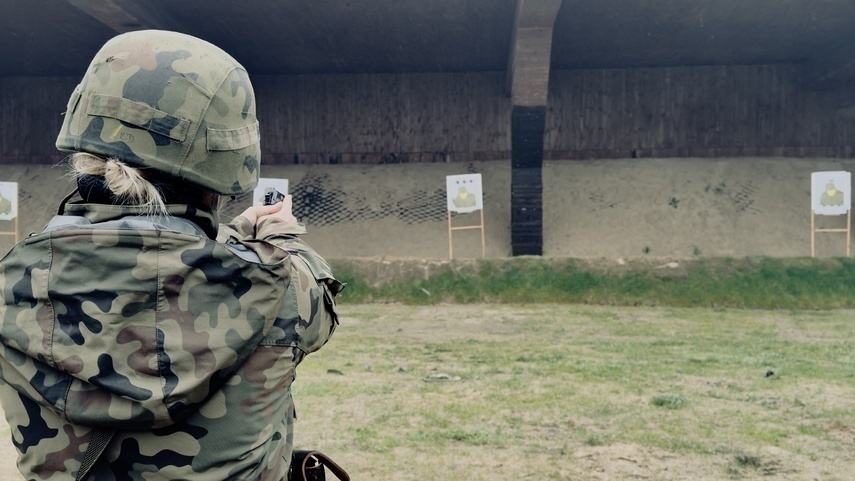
<point x="563" y="391"/>
<point x="754" y="283"/>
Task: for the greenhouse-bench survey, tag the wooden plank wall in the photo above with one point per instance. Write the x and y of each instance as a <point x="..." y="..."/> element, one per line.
<point x="720" y="111"/>
<point x="384" y="118"/>
<point x="31" y="111"/>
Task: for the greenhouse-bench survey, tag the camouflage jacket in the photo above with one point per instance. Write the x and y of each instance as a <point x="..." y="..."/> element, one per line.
<point x="187" y="346"/>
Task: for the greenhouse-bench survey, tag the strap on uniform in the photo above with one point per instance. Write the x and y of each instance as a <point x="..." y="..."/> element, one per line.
<point x="97" y="444"/>
<point x="61" y="209"/>
<point x="309" y="466"/>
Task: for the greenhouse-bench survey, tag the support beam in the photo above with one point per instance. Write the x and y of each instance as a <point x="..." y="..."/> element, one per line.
<point x="527" y="124"/>
<point x="124" y="16"/>
<point x="152" y="17"/>
<point x="108" y="13"/>
<point x="531" y="50"/>
<point x="528" y="86"/>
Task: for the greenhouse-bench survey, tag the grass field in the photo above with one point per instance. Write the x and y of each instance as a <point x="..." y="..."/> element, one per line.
<point x="561" y="392"/>
<point x="750" y="282"/>
<point x="559" y="369"/>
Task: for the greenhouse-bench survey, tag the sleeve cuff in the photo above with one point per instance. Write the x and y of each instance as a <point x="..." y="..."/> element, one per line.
<point x="269" y="228"/>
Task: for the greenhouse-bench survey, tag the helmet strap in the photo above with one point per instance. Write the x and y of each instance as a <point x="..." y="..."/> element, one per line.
<point x="61" y="209"/>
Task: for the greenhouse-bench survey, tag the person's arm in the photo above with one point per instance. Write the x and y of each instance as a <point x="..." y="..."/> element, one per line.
<point x="275" y="224"/>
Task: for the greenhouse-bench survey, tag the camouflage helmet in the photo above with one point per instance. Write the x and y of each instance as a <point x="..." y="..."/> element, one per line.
<point x="169" y="102"/>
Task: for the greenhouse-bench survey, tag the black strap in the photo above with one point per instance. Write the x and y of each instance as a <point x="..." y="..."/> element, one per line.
<point x="97" y="444"/>
<point x="61" y="209"/>
<point x="309" y="466"/>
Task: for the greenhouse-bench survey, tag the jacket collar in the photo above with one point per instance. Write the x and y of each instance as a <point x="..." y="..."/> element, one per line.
<point x="99" y="213"/>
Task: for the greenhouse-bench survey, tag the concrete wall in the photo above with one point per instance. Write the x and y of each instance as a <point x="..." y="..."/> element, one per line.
<point x="618" y="208"/>
<point x="717" y="111"/>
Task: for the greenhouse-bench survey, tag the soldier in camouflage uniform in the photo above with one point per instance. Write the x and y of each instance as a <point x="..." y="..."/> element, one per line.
<point x="142" y="333"/>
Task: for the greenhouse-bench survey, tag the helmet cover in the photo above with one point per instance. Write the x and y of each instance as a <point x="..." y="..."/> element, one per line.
<point x="169" y="102"/>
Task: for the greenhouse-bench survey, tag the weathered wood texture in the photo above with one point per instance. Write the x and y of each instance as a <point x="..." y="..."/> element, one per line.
<point x="384" y="118"/>
<point x="31" y="111"/>
<point x="724" y="111"/>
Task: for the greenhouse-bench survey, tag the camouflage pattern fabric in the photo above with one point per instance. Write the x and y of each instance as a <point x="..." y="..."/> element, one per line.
<point x="169" y="102"/>
<point x="186" y="345"/>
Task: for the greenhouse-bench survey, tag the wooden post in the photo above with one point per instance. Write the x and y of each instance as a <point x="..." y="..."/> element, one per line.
<point x="812" y="233"/>
<point x="15" y="233"/>
<point x="450" y="248"/>
<point x="466" y="227"/>
<point x="483" y="245"/>
<point x="814" y="230"/>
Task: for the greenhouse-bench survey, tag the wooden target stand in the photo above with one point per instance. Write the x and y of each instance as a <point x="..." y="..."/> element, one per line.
<point x="15" y="232"/>
<point x="9" y="197"/>
<point x="452" y="228"/>
<point x="814" y="230"/>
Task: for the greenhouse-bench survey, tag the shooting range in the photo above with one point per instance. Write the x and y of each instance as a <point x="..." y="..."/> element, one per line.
<point x="583" y="125"/>
<point x="606" y="140"/>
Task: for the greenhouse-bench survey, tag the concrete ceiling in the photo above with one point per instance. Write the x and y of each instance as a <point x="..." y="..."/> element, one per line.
<point x="59" y="37"/>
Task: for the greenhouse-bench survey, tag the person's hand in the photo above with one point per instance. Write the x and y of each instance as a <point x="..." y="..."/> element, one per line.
<point x="280" y="210"/>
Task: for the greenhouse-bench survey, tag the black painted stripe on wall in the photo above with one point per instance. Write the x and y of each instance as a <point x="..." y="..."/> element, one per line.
<point x="527" y="127"/>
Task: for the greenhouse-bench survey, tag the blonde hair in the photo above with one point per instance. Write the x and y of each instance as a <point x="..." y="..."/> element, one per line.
<point x="124" y="181"/>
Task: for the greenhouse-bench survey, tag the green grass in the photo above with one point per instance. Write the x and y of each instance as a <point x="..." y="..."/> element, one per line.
<point x="755" y="283"/>
<point x="669" y="401"/>
<point x="554" y="390"/>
